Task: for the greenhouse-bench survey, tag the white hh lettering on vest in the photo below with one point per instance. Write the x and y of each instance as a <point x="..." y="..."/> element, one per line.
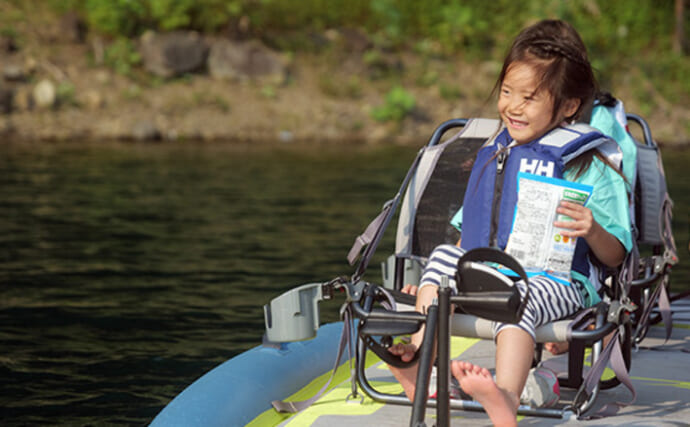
<point x="537" y="167"/>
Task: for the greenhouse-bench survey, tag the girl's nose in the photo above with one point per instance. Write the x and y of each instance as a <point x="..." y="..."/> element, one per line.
<point x="515" y="105"/>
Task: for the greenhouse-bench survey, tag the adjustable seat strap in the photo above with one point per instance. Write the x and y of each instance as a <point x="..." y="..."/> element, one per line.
<point x="368" y="235"/>
<point x="345" y="341"/>
<point x="614" y="354"/>
<point x="660" y="296"/>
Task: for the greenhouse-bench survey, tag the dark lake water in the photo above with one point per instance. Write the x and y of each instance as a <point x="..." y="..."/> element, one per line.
<point x="129" y="270"/>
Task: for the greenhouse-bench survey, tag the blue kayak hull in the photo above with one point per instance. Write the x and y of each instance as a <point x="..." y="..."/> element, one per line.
<point x="237" y="391"/>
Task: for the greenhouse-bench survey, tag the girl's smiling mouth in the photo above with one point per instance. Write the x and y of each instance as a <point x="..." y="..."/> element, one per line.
<point x="517" y="123"/>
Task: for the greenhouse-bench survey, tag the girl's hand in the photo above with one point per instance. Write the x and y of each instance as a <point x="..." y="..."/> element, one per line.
<point x="606" y="247"/>
<point x="582" y="224"/>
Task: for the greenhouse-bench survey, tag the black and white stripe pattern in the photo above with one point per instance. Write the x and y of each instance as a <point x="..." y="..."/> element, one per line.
<point x="548" y="300"/>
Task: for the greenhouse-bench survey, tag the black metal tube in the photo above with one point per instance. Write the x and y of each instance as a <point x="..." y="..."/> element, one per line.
<point x="594" y="334"/>
<point x="443" y="356"/>
<point x="646" y="131"/>
<point x="443" y="128"/>
<point x="646" y="280"/>
<point x="426" y="358"/>
<point x="399" y="274"/>
<point x="386" y="314"/>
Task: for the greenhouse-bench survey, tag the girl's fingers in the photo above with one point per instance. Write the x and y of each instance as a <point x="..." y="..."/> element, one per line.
<point x="581" y="222"/>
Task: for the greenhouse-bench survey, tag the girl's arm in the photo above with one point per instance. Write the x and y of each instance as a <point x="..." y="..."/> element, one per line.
<point x="606" y="247"/>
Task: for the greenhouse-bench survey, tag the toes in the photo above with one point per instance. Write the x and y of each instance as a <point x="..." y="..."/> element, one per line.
<point x="457" y="369"/>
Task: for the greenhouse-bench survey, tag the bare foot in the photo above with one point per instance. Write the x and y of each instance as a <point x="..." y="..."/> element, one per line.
<point x="557" y="348"/>
<point x="478" y="383"/>
<point x="407" y="377"/>
<point x="409" y="289"/>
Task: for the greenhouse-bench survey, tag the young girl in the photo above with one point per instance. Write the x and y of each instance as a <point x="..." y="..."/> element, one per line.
<point x="545" y="83"/>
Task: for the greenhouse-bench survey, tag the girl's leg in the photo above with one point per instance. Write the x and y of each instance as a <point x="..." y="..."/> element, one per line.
<point x="478" y="383"/>
<point x="514" y="356"/>
<point x="500" y="399"/>
<point x="442" y="262"/>
<point x="408" y="376"/>
<point x="548" y="301"/>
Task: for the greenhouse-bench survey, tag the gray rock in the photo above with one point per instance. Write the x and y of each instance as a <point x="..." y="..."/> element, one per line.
<point x="45" y="94"/>
<point x="173" y="54"/>
<point x="285" y="136"/>
<point x="245" y="60"/>
<point x="13" y="73"/>
<point x="145" y="130"/>
<point x="354" y="41"/>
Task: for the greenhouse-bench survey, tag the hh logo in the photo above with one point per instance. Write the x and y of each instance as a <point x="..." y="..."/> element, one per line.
<point x="537" y="167"/>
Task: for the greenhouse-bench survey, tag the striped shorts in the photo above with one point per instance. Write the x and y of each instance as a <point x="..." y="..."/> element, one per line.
<point x="548" y="300"/>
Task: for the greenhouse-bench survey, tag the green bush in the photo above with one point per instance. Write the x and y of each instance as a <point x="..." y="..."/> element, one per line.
<point x="65" y="94"/>
<point x="116" y="17"/>
<point x="129" y="18"/>
<point x="122" y="56"/>
<point x="617" y="33"/>
<point x="470" y="27"/>
<point x="398" y="104"/>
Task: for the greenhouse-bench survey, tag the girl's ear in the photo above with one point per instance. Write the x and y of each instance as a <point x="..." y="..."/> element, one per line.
<point x="570" y="107"/>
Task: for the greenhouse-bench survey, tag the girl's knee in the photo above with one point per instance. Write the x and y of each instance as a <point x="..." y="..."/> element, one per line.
<point x="446" y="250"/>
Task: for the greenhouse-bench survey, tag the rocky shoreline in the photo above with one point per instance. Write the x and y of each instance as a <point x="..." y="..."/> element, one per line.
<point x="198" y="88"/>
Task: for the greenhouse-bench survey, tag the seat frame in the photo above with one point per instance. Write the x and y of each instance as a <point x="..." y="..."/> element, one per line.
<point x="588" y="330"/>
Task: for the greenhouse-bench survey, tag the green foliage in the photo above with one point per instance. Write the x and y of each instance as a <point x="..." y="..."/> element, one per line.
<point x="122" y="56"/>
<point x="450" y="92"/>
<point x="472" y="27"/>
<point x="207" y="15"/>
<point x="172" y="14"/>
<point x="65" y="94"/>
<point x="427" y="78"/>
<point x="131" y="17"/>
<point x="268" y="91"/>
<point x="116" y="17"/>
<point x="8" y="32"/>
<point x="618" y="34"/>
<point x="398" y="104"/>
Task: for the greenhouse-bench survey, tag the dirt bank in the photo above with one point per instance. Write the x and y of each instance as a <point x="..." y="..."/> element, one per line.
<point x="326" y="97"/>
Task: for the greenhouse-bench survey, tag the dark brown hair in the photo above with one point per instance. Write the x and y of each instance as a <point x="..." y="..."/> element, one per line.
<point x="557" y="53"/>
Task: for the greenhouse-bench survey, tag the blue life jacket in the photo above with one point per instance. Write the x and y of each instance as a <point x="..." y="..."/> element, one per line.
<point x="491" y="193"/>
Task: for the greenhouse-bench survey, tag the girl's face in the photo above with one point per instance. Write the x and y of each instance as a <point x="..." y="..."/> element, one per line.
<point x="526" y="114"/>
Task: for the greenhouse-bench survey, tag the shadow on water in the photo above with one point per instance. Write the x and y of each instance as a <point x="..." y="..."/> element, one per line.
<point x="127" y="271"/>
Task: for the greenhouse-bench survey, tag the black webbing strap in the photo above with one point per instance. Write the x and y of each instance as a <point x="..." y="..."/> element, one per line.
<point x="368" y="235"/>
<point x="345" y="341"/>
<point x="375" y="230"/>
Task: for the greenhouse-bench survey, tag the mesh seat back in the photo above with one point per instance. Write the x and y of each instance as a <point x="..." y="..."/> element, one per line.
<point x="437" y="191"/>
